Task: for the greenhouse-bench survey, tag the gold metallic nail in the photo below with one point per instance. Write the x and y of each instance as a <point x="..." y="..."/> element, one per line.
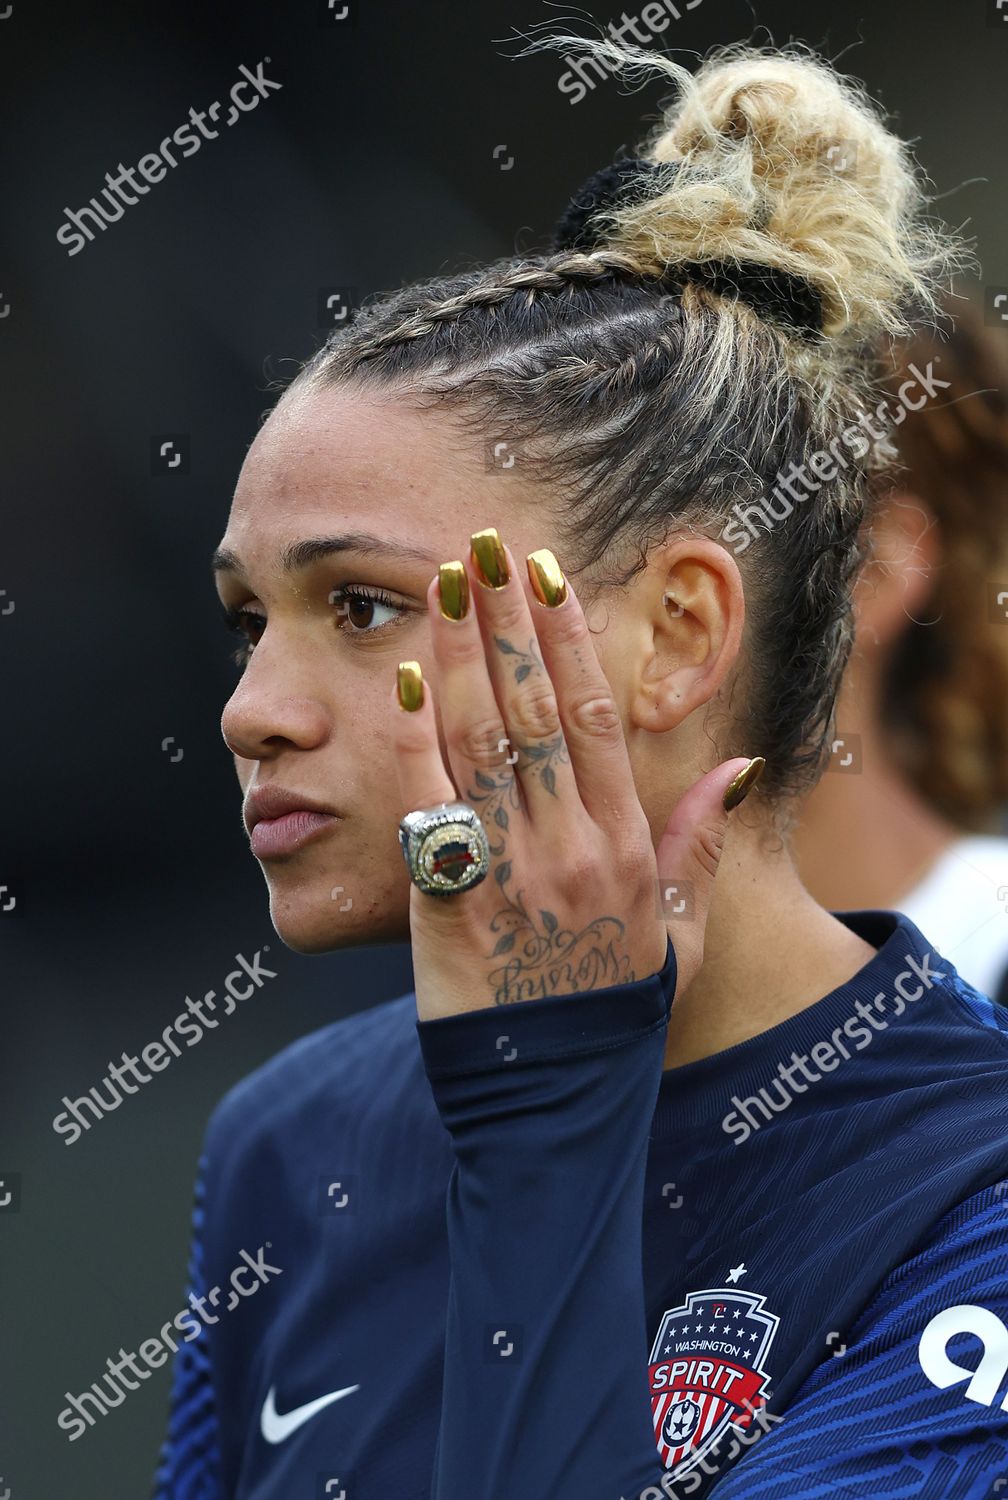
<point x="409" y="683"/>
<point x="453" y="590"/>
<point x="548" y="583"/>
<point x="490" y="558"/>
<point x="743" y="783"/>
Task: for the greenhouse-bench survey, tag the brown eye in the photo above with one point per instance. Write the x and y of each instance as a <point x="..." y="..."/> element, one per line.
<point x="361" y="610"/>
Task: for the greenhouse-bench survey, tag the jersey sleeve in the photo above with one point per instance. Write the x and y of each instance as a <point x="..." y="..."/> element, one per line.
<point x="189" y="1462"/>
<point x="916" y="1402"/>
<point x="549" y="1106"/>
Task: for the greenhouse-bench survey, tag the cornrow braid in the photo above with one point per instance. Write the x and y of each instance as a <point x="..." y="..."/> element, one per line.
<point x="493" y="286"/>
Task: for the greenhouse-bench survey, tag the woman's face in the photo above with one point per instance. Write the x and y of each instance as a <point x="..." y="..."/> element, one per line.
<point x="394" y="494"/>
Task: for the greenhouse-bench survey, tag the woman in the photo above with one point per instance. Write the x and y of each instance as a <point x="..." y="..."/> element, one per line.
<point x="748" y="1241"/>
<point x="923" y="712"/>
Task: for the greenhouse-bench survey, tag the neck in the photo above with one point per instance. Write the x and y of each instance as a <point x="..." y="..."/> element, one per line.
<point x="867" y="838"/>
<point x="770" y="950"/>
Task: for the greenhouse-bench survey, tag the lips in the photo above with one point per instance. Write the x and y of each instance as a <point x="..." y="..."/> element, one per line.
<point x="280" y="821"/>
<point x="274" y="836"/>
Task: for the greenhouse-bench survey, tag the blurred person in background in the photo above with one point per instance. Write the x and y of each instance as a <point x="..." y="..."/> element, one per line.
<point x="917" y="822"/>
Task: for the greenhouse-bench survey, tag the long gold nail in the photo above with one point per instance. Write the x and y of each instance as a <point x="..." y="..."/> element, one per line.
<point x="409" y="684"/>
<point x="490" y="558"/>
<point x="453" y="590"/>
<point x="548" y="583"/>
<point x="743" y="783"/>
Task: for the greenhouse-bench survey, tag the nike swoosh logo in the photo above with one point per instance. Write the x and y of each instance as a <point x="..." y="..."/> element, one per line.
<point x="275" y="1427"/>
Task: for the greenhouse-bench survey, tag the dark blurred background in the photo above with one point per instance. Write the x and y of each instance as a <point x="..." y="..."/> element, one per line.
<point x="403" y="139"/>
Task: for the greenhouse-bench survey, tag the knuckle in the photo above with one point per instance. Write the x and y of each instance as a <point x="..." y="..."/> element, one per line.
<point x="477" y="740"/>
<point x="534" y="712"/>
<point x="578" y="872"/>
<point x="596" y="715"/>
<point x="708" y="844"/>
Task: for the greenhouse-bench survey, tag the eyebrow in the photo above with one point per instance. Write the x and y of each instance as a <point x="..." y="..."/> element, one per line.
<point x="302" y="554"/>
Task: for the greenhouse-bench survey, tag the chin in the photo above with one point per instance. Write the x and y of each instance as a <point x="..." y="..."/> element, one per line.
<point x="310" y="921"/>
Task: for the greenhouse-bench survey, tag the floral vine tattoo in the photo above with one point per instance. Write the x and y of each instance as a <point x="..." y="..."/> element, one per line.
<point x="527" y="659"/>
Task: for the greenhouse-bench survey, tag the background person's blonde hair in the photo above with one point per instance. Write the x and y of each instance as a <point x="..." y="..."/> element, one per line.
<point x="645" y="403"/>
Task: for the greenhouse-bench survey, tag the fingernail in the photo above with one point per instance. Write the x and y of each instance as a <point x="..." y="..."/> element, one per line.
<point x="490" y="558"/>
<point x="548" y="583"/>
<point x="743" y="783"/>
<point x="453" y="590"/>
<point x="409" y="684"/>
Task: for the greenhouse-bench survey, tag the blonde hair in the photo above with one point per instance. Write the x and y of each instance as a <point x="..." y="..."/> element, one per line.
<point x="650" y="404"/>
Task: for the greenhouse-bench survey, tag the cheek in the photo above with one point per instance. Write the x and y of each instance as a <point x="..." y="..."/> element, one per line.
<point x="245" y="770"/>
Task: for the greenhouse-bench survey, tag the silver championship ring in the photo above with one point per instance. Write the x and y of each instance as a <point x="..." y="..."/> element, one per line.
<point x="445" y="848"/>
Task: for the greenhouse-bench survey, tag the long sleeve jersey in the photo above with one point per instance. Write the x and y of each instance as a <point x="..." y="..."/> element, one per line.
<point x="511" y="1258"/>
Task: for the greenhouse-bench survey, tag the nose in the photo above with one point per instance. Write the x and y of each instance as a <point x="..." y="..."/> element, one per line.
<point x="270" y="711"/>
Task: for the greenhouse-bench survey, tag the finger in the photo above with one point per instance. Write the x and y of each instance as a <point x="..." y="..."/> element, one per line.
<point x="588" y="709"/>
<point x="521" y="685"/>
<point x="688" y="854"/>
<point x="476" y="743"/>
<point x="420" y="767"/>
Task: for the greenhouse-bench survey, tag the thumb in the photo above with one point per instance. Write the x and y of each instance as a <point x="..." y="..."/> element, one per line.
<point x="689" y="852"/>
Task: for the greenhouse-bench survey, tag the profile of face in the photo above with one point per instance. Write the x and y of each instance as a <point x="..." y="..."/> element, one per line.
<point x="393" y="492"/>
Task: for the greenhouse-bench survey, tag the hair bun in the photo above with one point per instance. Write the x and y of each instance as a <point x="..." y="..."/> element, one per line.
<point x="778" y="162"/>
<point x="776" y="295"/>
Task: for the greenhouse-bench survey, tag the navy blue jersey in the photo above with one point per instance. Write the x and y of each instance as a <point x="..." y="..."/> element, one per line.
<point x="505" y="1256"/>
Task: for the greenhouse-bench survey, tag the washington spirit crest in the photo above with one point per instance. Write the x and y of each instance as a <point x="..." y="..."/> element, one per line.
<point x="707" y="1371"/>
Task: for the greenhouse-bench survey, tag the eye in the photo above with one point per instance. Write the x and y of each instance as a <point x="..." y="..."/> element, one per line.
<point x="250" y="624"/>
<point x="357" y="606"/>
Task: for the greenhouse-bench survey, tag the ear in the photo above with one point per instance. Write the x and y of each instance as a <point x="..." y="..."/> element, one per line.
<point x="688" y="613"/>
<point x="899" y="577"/>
